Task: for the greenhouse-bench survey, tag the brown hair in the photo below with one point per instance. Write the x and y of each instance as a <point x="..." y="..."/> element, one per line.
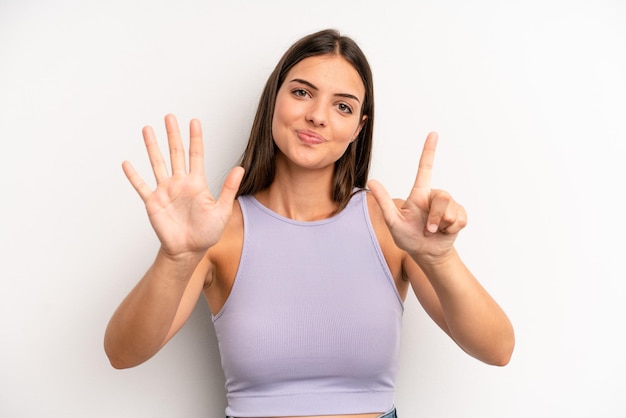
<point x="351" y="170"/>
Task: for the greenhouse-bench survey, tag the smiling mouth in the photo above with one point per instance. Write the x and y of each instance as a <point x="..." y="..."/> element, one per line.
<point x="309" y="137"/>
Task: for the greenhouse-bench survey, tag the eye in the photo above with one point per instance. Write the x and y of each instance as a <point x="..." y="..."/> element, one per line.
<point x="344" y="108"/>
<point x="300" y="92"/>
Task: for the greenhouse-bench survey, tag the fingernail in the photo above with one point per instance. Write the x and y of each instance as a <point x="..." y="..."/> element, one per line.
<point x="433" y="228"/>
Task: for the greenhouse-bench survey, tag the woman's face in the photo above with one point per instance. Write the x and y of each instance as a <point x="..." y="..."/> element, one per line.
<point x="318" y="111"/>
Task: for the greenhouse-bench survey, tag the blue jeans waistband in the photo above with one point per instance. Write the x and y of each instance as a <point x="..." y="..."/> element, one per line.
<point x="390" y="414"/>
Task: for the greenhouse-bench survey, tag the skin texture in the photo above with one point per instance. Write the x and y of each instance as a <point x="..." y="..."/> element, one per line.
<point x="317" y="115"/>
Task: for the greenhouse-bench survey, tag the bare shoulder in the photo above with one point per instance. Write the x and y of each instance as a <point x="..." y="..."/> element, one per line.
<point x="223" y="261"/>
<point x="230" y="243"/>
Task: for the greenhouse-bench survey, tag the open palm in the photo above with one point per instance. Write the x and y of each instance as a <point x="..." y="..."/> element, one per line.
<point x="182" y="210"/>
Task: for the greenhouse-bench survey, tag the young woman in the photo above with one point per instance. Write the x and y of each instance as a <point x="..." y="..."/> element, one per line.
<point x="304" y="269"/>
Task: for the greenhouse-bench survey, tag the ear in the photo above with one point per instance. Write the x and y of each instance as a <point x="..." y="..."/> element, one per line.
<point x="358" y="129"/>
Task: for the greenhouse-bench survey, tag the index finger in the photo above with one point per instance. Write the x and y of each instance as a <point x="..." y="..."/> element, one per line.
<point x="427" y="159"/>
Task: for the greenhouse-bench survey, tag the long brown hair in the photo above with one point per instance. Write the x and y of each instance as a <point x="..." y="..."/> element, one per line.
<point x="351" y="170"/>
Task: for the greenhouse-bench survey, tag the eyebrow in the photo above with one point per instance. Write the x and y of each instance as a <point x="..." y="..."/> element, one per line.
<point x="311" y="85"/>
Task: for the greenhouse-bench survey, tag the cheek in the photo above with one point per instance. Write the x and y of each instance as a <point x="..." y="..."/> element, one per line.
<point x="284" y="105"/>
<point x="349" y="132"/>
<point x="283" y="113"/>
<point x="278" y="116"/>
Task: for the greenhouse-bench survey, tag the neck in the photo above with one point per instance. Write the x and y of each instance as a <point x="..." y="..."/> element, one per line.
<point x="300" y="194"/>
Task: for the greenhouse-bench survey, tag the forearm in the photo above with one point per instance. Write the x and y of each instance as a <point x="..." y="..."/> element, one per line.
<point x="473" y="318"/>
<point x="141" y="323"/>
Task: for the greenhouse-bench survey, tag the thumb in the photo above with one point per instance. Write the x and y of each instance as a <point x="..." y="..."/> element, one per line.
<point x="231" y="186"/>
<point x="384" y="200"/>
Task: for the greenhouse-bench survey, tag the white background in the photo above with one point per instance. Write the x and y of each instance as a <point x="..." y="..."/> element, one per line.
<point x="529" y="99"/>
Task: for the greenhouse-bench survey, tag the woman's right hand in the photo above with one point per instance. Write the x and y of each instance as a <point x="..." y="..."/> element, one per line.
<point x="182" y="210"/>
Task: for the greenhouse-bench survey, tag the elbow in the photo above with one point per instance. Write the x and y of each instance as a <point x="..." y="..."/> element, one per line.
<point x="502" y="356"/>
<point x="502" y="360"/>
<point x="120" y="359"/>
<point x="118" y="363"/>
<point x="123" y="355"/>
<point x="117" y="357"/>
<point x="494" y="352"/>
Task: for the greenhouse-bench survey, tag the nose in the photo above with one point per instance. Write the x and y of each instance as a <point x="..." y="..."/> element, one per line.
<point x="317" y="114"/>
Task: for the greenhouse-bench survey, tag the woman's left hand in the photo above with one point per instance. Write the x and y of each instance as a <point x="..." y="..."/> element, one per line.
<point x="426" y="224"/>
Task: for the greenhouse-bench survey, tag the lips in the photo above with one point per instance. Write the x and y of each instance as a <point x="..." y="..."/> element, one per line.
<point x="310" y="137"/>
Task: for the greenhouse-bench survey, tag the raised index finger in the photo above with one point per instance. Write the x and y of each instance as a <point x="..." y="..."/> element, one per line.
<point x="425" y="168"/>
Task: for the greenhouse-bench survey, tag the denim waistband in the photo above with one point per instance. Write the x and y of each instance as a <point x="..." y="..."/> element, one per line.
<point x="390" y="414"/>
